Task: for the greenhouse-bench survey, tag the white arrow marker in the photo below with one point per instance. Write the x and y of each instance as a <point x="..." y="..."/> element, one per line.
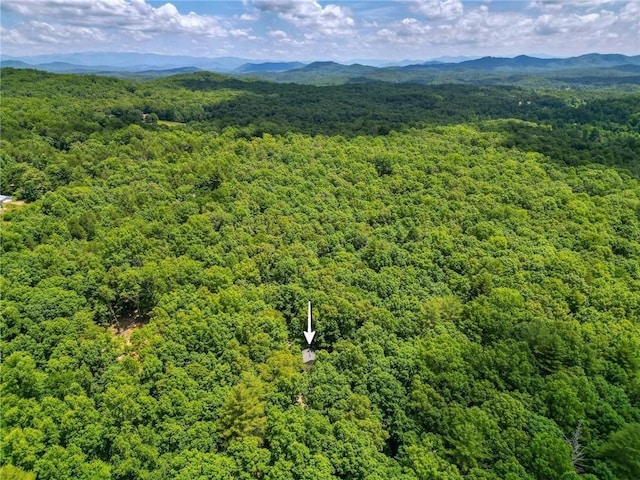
<point x="309" y="334"/>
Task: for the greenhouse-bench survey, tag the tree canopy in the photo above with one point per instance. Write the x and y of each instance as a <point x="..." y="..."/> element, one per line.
<point x="472" y="255"/>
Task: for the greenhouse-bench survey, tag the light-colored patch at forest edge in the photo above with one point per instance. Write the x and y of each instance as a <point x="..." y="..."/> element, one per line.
<point x="125" y="326"/>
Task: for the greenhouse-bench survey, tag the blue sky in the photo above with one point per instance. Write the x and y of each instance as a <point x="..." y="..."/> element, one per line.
<point x="322" y="30"/>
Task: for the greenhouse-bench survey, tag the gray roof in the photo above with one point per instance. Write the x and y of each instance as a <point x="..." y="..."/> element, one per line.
<point x="308" y="356"/>
<point x="5" y="198"/>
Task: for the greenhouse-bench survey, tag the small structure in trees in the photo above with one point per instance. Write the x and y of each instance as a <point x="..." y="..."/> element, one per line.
<point x="308" y="356"/>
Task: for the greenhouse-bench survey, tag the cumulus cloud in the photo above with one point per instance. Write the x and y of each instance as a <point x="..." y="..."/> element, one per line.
<point x="546" y="5"/>
<point x="250" y="17"/>
<point x="631" y="14"/>
<point x="278" y="34"/>
<point x="135" y="15"/>
<point x="438" y="9"/>
<point x="309" y="14"/>
<point x="494" y="29"/>
<point x="551" y="24"/>
<point x="320" y="29"/>
<point x="280" y="38"/>
<point x="476" y="26"/>
<point x="35" y="32"/>
<point x="587" y="5"/>
<point x="408" y="30"/>
<point x="502" y="31"/>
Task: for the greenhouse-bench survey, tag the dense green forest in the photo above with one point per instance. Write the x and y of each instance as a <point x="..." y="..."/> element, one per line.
<point x="611" y="72"/>
<point x="472" y="254"/>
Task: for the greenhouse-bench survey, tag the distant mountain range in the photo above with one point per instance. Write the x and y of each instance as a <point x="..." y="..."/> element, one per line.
<point x="133" y="62"/>
<point x="616" y="68"/>
<point x="591" y="69"/>
<point x="525" y="62"/>
<point x="268" y="67"/>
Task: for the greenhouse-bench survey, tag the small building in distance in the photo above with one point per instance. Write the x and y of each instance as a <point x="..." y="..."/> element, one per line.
<point x="5" y="199"/>
<point x="308" y="356"/>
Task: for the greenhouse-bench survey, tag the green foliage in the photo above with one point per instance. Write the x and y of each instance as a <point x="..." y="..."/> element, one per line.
<point x="242" y="414"/>
<point x="550" y="456"/>
<point x="9" y="472"/>
<point x="622" y="451"/>
<point x="472" y="262"/>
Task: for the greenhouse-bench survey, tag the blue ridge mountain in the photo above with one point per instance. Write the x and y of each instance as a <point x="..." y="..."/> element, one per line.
<point x="269" y="67"/>
<point x="594" y="68"/>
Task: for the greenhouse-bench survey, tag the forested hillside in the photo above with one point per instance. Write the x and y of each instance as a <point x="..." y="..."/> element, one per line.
<point x="591" y="71"/>
<point x="472" y="254"/>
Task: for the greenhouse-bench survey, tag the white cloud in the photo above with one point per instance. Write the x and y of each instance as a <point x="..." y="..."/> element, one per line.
<point x="493" y="29"/>
<point x="15" y="37"/>
<point x="588" y="3"/>
<point x="135" y="15"/>
<point x="631" y="14"/>
<point x="551" y="24"/>
<point x="476" y="27"/>
<point x="546" y="5"/>
<point x="438" y="9"/>
<point x="309" y="14"/>
<point x="408" y="30"/>
<point x="35" y="32"/>
<point x="250" y="17"/>
<point x="556" y="5"/>
<point x="320" y="29"/>
<point x="277" y="34"/>
<point x="242" y="33"/>
<point x="484" y="31"/>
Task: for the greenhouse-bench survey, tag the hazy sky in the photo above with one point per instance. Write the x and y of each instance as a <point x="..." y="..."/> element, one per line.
<point x="322" y="30"/>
